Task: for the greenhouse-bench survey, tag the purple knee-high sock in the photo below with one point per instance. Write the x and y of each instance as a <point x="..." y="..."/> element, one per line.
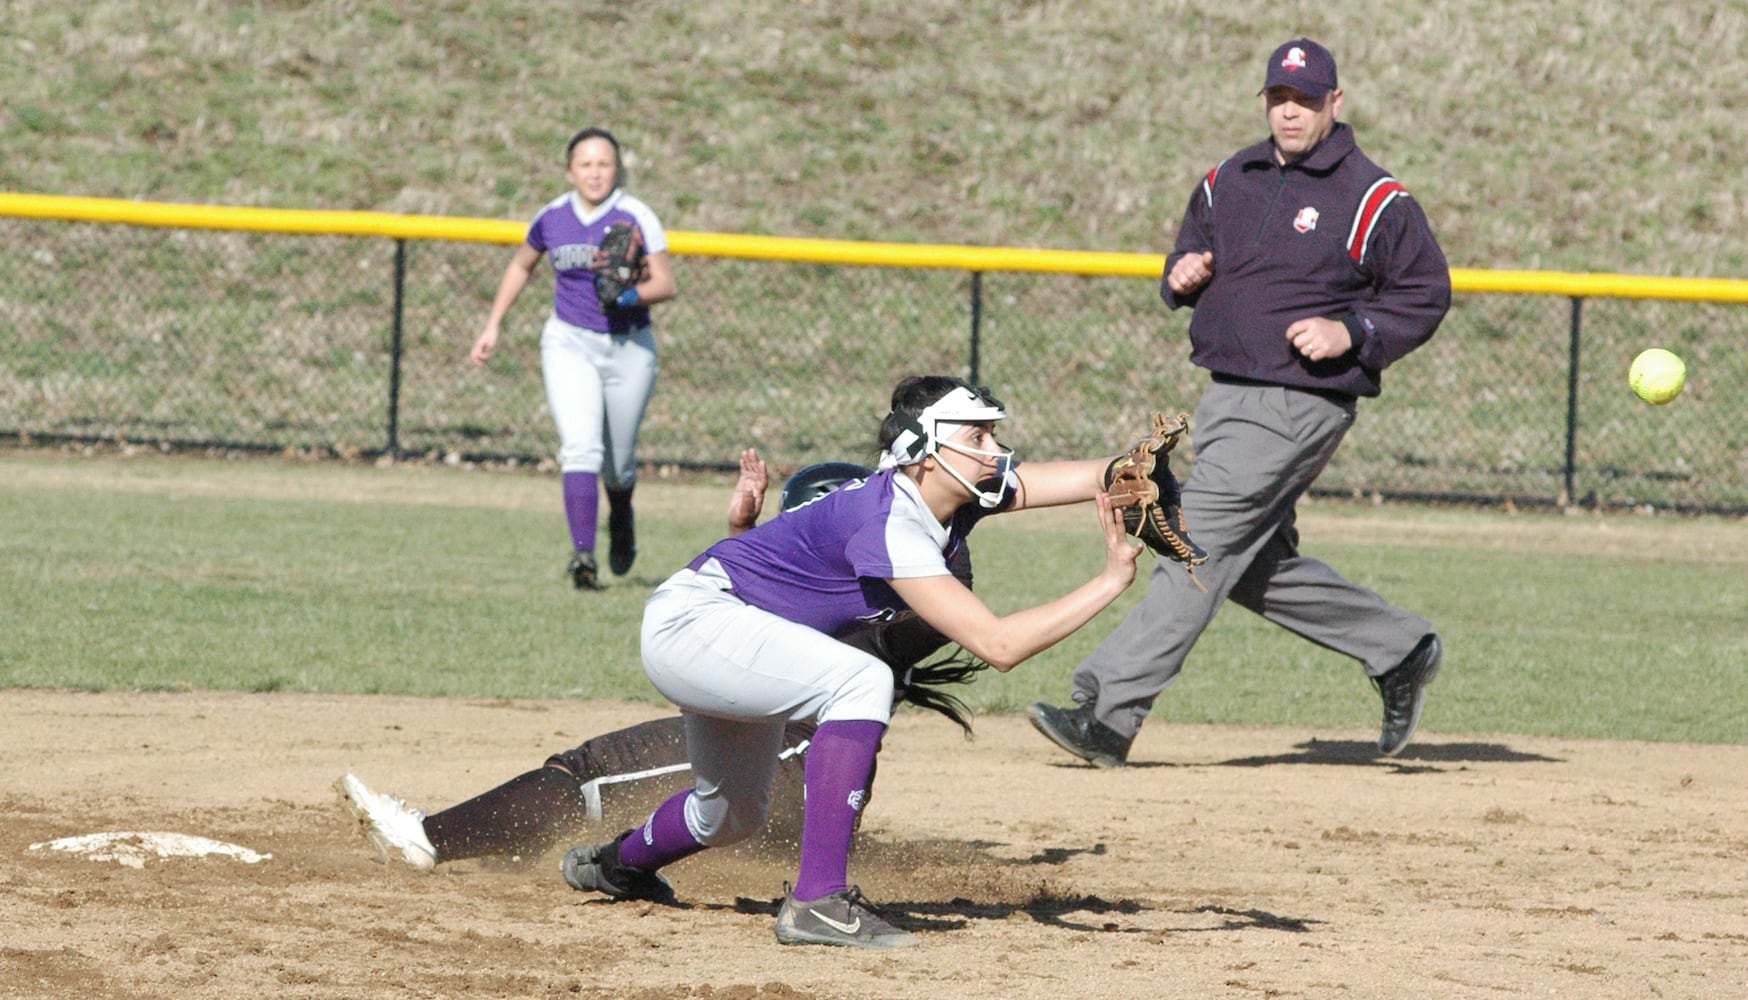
<point x="663" y="839"/>
<point x="840" y="761"/>
<point x="582" y="505"/>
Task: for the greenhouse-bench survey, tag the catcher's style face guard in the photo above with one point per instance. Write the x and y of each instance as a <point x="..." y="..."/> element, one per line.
<point x="923" y="438"/>
<point x="1002" y="480"/>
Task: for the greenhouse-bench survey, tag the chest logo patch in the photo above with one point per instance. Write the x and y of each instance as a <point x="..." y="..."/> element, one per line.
<point x="1306" y="220"/>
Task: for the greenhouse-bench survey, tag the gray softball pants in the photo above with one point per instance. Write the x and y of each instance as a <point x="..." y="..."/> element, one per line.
<point x="1258" y="449"/>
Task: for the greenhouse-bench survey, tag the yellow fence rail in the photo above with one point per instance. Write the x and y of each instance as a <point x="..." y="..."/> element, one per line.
<point x="798" y="250"/>
<point x="346" y="332"/>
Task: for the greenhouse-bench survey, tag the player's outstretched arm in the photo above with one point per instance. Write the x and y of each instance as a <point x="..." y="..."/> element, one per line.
<point x="1006" y="642"/>
<point x="1052" y="484"/>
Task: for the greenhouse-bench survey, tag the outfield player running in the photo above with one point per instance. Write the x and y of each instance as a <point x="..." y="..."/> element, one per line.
<point x="741" y="639"/>
<point x="599" y="358"/>
<point x="622" y="775"/>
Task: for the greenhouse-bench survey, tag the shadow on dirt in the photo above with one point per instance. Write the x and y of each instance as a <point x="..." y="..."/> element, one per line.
<point x="1071" y="912"/>
<point x="1133" y="765"/>
<point x="1415" y="758"/>
<point x="1043" y="902"/>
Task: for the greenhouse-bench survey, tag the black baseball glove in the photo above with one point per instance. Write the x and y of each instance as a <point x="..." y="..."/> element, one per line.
<point x="619" y="265"/>
<point x="1142" y="487"/>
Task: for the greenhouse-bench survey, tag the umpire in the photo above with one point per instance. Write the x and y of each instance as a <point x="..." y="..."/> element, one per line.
<point x="1310" y="271"/>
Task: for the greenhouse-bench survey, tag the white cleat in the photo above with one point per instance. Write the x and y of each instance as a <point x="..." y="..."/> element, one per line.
<point x="394" y="828"/>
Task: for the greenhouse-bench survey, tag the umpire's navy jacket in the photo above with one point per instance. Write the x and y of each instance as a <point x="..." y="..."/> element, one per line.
<point x="1329" y="235"/>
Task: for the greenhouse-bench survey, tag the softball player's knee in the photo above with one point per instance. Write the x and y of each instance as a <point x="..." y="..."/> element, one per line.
<point x="579" y="458"/>
<point x="864" y="694"/>
<point x="718" y="819"/>
<point x="619" y="460"/>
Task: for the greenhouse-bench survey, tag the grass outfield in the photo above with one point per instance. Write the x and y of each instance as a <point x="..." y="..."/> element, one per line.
<point x="157" y="573"/>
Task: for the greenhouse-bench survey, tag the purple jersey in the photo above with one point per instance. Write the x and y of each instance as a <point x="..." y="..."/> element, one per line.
<point x="570" y="237"/>
<point x="825" y="564"/>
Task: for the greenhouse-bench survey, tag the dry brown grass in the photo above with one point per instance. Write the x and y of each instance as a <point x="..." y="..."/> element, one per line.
<point x="1573" y="136"/>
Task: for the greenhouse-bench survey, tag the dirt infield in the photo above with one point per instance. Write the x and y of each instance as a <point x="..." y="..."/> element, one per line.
<point x="1232" y="863"/>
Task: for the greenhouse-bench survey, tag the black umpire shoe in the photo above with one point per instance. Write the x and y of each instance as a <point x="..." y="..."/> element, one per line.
<point x="582" y="570"/>
<point x="1075" y="730"/>
<point x="1403" y="689"/>
<point x="598" y="869"/>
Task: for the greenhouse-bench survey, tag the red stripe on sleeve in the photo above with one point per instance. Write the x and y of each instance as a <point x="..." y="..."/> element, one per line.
<point x="1374" y="203"/>
<point x="1208" y="184"/>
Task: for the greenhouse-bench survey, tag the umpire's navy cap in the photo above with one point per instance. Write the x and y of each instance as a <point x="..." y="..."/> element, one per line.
<point x="1303" y="65"/>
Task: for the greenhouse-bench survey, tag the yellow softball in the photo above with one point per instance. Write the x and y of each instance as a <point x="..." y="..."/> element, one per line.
<point x="1657" y="376"/>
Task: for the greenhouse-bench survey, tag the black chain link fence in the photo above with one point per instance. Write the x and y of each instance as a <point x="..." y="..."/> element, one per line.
<point x="358" y="346"/>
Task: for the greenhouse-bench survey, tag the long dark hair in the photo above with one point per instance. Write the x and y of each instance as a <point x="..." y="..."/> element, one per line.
<point x="924" y="689"/>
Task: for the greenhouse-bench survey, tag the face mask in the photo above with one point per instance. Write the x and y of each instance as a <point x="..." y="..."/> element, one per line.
<point x="925" y="436"/>
<point x="1004" y="480"/>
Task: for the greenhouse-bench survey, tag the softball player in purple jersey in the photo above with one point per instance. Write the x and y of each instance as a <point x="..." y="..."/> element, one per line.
<point x="599" y="358"/>
<point x="741" y="640"/>
<point x="620" y="776"/>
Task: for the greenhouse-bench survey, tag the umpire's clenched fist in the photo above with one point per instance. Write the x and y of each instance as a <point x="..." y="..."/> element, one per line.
<point x="1190" y="273"/>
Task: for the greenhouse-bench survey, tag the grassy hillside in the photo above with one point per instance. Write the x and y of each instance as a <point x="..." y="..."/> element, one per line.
<point x="1565" y="135"/>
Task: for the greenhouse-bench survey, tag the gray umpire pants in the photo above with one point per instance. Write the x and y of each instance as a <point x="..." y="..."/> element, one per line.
<point x="1258" y="449"/>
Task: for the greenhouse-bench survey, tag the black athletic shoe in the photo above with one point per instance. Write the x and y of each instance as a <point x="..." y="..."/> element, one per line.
<point x="621" y="537"/>
<point x="1404" y="692"/>
<point x="597" y="869"/>
<point x="582" y="570"/>
<point x="1075" y="730"/>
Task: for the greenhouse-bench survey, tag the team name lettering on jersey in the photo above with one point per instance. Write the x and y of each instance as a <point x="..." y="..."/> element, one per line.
<point x="573" y="256"/>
